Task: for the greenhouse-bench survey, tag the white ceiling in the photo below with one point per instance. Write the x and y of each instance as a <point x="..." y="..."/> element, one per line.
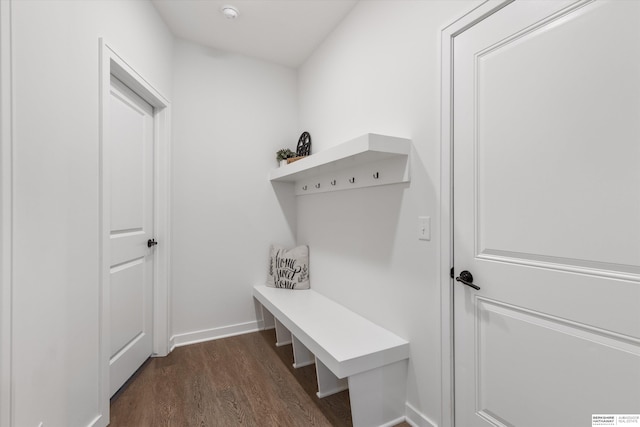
<point x="281" y="31"/>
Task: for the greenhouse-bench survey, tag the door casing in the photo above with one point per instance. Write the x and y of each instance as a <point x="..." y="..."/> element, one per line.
<point x="112" y="64"/>
<point x="6" y="214"/>
<point x="447" y="36"/>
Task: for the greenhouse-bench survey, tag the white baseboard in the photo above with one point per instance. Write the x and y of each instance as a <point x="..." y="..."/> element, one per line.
<point x="99" y="421"/>
<point x="326" y="393"/>
<point x="302" y="365"/>
<point x="180" y="340"/>
<point x="417" y="419"/>
<point x="262" y="327"/>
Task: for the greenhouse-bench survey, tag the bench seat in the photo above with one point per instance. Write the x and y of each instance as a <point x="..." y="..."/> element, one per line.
<point x="348" y="350"/>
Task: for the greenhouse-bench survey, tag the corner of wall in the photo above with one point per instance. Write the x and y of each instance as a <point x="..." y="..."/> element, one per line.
<point x="416" y="418"/>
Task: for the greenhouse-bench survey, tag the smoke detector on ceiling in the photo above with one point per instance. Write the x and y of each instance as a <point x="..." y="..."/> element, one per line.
<point x="230" y="12"/>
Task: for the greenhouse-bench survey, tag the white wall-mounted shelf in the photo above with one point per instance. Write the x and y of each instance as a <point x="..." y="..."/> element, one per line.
<point x="366" y="161"/>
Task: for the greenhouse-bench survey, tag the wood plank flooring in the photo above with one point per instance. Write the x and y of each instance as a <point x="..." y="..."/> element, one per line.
<point x="237" y="381"/>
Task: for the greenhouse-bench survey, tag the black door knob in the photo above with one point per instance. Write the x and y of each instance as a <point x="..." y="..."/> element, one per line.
<point x="151" y="243"/>
<point x="466" y="278"/>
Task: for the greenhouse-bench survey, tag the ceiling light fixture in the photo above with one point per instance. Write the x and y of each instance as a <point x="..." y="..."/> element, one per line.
<point x="230" y="12"/>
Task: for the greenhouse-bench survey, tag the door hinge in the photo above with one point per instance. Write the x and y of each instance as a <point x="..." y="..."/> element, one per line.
<point x="451" y="273"/>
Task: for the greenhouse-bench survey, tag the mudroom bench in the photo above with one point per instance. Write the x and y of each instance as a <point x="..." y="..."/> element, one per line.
<point x="348" y="350"/>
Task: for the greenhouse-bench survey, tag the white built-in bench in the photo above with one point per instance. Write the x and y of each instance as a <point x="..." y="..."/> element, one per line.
<point x="348" y="350"/>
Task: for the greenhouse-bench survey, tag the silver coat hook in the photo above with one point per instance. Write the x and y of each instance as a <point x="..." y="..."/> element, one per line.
<point x="376" y="175"/>
<point x="352" y="180"/>
<point x="333" y="182"/>
<point x="318" y="185"/>
<point x="304" y="188"/>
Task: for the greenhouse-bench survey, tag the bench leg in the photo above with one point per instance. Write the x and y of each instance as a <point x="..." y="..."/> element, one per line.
<point x="283" y="336"/>
<point x="378" y="396"/>
<point x="301" y="354"/>
<point x="268" y="321"/>
<point x="328" y="383"/>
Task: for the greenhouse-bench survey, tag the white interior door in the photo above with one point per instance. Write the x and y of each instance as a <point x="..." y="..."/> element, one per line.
<point x="547" y="214"/>
<point x="131" y="265"/>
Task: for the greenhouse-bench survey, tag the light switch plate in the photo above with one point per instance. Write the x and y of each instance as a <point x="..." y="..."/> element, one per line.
<point x="424" y="228"/>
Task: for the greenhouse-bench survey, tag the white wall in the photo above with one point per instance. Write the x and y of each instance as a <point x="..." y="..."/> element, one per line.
<point x="5" y="213"/>
<point x="230" y="116"/>
<point x="56" y="160"/>
<point x="380" y="72"/>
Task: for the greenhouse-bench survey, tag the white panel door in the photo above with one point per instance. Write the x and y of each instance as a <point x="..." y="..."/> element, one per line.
<point x="547" y="214"/>
<point x="131" y="265"/>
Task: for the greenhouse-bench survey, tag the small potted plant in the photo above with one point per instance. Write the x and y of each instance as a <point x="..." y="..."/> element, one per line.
<point x="284" y="154"/>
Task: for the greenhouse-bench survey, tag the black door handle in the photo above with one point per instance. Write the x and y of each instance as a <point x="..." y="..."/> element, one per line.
<point x="467" y="279"/>
<point x="151" y="243"/>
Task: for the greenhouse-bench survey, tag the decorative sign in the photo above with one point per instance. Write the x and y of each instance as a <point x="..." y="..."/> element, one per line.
<point x="304" y="145"/>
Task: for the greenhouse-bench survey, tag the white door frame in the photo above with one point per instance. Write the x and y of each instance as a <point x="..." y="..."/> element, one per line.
<point x="6" y="214"/>
<point x="447" y="37"/>
<point x="112" y="64"/>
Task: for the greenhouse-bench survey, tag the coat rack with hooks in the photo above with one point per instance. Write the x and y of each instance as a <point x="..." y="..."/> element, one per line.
<point x="369" y="160"/>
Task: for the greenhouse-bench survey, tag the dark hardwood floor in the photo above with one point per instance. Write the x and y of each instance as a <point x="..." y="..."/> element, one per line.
<point x="237" y="381"/>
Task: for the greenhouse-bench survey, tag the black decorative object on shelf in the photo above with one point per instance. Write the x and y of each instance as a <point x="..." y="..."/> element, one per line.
<point x="304" y="145"/>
